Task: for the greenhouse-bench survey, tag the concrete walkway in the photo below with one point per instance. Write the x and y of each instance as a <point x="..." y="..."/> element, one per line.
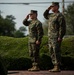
<point x="40" y="73"/>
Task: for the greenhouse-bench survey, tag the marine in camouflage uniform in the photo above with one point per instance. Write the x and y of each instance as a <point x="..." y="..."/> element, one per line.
<point x="35" y="37"/>
<point x="56" y="31"/>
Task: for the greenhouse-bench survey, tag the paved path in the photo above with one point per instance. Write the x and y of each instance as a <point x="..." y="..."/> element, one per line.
<point x="40" y="73"/>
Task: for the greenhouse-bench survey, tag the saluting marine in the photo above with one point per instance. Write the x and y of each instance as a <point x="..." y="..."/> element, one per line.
<point x="56" y="31"/>
<point x="35" y="37"/>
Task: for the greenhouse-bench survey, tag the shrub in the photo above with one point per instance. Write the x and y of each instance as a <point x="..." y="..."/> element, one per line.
<point x="3" y="70"/>
<point x="15" y="53"/>
<point x="68" y="47"/>
<point x="17" y="63"/>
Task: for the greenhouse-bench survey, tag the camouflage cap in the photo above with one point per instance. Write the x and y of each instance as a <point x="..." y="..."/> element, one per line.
<point x="33" y="11"/>
<point x="55" y="3"/>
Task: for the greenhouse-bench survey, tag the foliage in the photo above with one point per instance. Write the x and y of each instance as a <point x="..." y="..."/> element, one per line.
<point x="45" y="27"/>
<point x="68" y="47"/>
<point x="7" y="25"/>
<point x="44" y="46"/>
<point x="21" y="63"/>
<point x="3" y="70"/>
<point x="13" y="47"/>
<point x="22" y="29"/>
<point x="16" y="55"/>
<point x="69" y="14"/>
<point x="20" y="32"/>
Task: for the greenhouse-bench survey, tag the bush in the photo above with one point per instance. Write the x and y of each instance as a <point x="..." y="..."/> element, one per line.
<point x="68" y="47"/>
<point x="45" y="62"/>
<point x="67" y="63"/>
<point x="18" y="63"/>
<point x="3" y="70"/>
<point x="13" y="47"/>
<point x="15" y="53"/>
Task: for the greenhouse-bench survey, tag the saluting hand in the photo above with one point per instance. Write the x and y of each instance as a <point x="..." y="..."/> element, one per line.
<point x="27" y="17"/>
<point x="49" y="8"/>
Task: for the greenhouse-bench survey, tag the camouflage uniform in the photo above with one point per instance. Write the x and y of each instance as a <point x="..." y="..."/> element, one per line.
<point x="56" y="29"/>
<point x="35" y="33"/>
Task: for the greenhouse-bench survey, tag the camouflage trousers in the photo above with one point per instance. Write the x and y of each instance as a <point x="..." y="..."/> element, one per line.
<point x="55" y="51"/>
<point x="34" y="53"/>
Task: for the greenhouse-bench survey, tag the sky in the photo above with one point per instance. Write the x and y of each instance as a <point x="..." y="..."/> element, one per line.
<point x="20" y="11"/>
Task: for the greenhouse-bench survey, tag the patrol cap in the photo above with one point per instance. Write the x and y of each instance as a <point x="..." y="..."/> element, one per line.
<point x="32" y="12"/>
<point x="55" y="4"/>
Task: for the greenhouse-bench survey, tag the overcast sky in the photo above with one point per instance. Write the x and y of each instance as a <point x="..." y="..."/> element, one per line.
<point x="20" y="11"/>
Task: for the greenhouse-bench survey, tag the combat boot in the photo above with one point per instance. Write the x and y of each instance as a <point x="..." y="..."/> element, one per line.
<point x="34" y="68"/>
<point x="55" y="69"/>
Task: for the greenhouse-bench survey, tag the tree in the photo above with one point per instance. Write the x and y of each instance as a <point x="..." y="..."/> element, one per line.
<point x="1" y="25"/>
<point x="69" y="14"/>
<point x="10" y="25"/>
<point x="22" y="29"/>
<point x="20" y="32"/>
<point x="7" y="25"/>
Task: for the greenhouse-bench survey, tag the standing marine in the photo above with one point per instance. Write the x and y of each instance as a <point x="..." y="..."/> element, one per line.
<point x="35" y="38"/>
<point x="56" y="31"/>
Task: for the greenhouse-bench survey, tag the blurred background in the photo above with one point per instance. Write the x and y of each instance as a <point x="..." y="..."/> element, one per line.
<point x="18" y="9"/>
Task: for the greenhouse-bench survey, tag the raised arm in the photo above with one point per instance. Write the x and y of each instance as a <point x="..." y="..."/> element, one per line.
<point x="46" y="13"/>
<point x="25" y="21"/>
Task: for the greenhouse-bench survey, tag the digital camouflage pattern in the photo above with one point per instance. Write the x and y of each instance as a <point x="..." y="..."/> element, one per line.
<point x="56" y="29"/>
<point x="35" y="33"/>
<point x="35" y="30"/>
